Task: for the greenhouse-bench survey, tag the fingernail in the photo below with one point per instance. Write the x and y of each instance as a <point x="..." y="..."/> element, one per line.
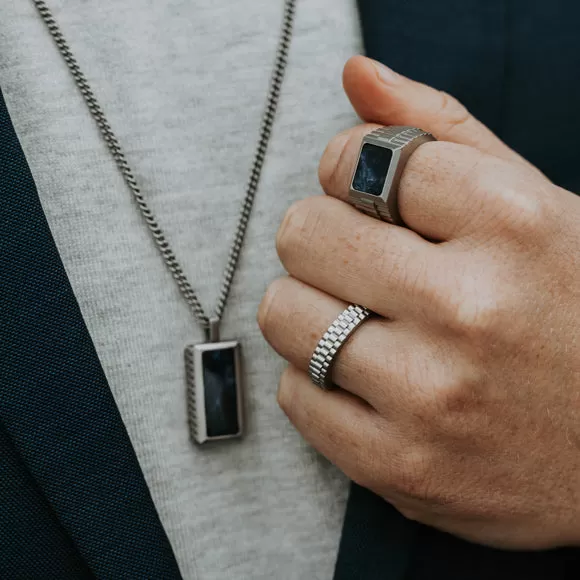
<point x="386" y="74"/>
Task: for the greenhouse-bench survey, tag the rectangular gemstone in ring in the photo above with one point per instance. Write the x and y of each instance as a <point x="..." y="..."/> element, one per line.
<point x="372" y="169"/>
<point x="214" y="390"/>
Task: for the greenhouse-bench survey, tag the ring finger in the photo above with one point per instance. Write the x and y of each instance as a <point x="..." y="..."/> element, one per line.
<point x="373" y="365"/>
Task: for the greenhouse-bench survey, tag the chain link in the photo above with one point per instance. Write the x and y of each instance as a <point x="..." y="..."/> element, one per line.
<point x="116" y="150"/>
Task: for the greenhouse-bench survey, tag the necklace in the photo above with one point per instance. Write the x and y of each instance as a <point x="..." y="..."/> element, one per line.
<point x="212" y="369"/>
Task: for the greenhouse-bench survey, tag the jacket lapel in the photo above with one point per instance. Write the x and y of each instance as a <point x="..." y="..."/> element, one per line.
<point x="55" y="404"/>
<point x="33" y="542"/>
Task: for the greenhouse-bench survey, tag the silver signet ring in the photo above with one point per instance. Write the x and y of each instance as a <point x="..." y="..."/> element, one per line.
<point x="381" y="161"/>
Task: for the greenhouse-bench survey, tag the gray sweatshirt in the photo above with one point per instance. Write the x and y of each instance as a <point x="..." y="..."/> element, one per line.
<point x="184" y="83"/>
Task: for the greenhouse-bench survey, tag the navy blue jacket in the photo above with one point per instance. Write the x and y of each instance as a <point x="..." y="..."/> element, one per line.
<point x="73" y="501"/>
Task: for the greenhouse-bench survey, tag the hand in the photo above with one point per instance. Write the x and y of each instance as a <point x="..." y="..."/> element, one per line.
<point x="460" y="402"/>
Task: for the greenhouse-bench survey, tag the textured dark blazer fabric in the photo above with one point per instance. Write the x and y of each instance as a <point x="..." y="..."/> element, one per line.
<point x="73" y="499"/>
<point x="515" y="64"/>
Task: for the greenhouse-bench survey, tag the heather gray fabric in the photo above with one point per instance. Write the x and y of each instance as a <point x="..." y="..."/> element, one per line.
<point x="183" y="83"/>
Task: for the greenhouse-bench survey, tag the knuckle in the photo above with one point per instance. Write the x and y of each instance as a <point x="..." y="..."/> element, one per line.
<point x="452" y="112"/>
<point x="286" y="395"/>
<point x="479" y="180"/>
<point x="458" y="396"/>
<point x="454" y="405"/>
<point x="449" y="404"/>
<point x="267" y="309"/>
<point x="333" y="159"/>
<point x="524" y="213"/>
<point x="477" y="316"/>
<point x="294" y="228"/>
<point x="509" y="197"/>
<point x="292" y="217"/>
<point x="477" y="320"/>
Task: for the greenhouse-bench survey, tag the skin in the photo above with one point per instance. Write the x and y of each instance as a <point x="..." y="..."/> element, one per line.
<point x="459" y="402"/>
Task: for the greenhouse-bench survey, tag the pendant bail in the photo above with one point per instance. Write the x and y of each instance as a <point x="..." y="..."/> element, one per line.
<point x="213" y="333"/>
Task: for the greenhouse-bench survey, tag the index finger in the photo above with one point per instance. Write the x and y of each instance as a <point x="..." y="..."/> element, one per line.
<point x="446" y="190"/>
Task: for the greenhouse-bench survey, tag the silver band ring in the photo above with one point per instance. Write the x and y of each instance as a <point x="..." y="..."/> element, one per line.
<point x="332" y="341"/>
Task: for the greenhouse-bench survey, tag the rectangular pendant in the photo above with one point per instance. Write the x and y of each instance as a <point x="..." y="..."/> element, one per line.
<point x="214" y="390"/>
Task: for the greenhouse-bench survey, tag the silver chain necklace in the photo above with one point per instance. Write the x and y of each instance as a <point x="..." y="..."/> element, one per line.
<point x="213" y="369"/>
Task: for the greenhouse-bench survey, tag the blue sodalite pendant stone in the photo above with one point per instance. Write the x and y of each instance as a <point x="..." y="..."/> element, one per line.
<point x="214" y="390"/>
<point x="220" y="392"/>
<point x="372" y="169"/>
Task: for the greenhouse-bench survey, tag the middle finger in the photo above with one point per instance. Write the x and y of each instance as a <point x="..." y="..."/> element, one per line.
<point x="327" y="244"/>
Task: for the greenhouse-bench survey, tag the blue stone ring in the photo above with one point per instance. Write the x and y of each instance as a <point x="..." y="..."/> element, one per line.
<point x="383" y="155"/>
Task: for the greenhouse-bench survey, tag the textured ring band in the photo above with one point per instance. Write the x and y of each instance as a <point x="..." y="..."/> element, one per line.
<point x="332" y="341"/>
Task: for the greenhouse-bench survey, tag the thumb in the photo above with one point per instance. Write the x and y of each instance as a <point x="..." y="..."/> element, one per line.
<point x="380" y="95"/>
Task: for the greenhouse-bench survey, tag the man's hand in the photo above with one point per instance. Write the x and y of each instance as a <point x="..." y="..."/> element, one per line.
<point x="460" y="402"/>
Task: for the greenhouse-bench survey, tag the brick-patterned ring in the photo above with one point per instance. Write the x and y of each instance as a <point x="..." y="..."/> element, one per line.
<point x="332" y="341"/>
